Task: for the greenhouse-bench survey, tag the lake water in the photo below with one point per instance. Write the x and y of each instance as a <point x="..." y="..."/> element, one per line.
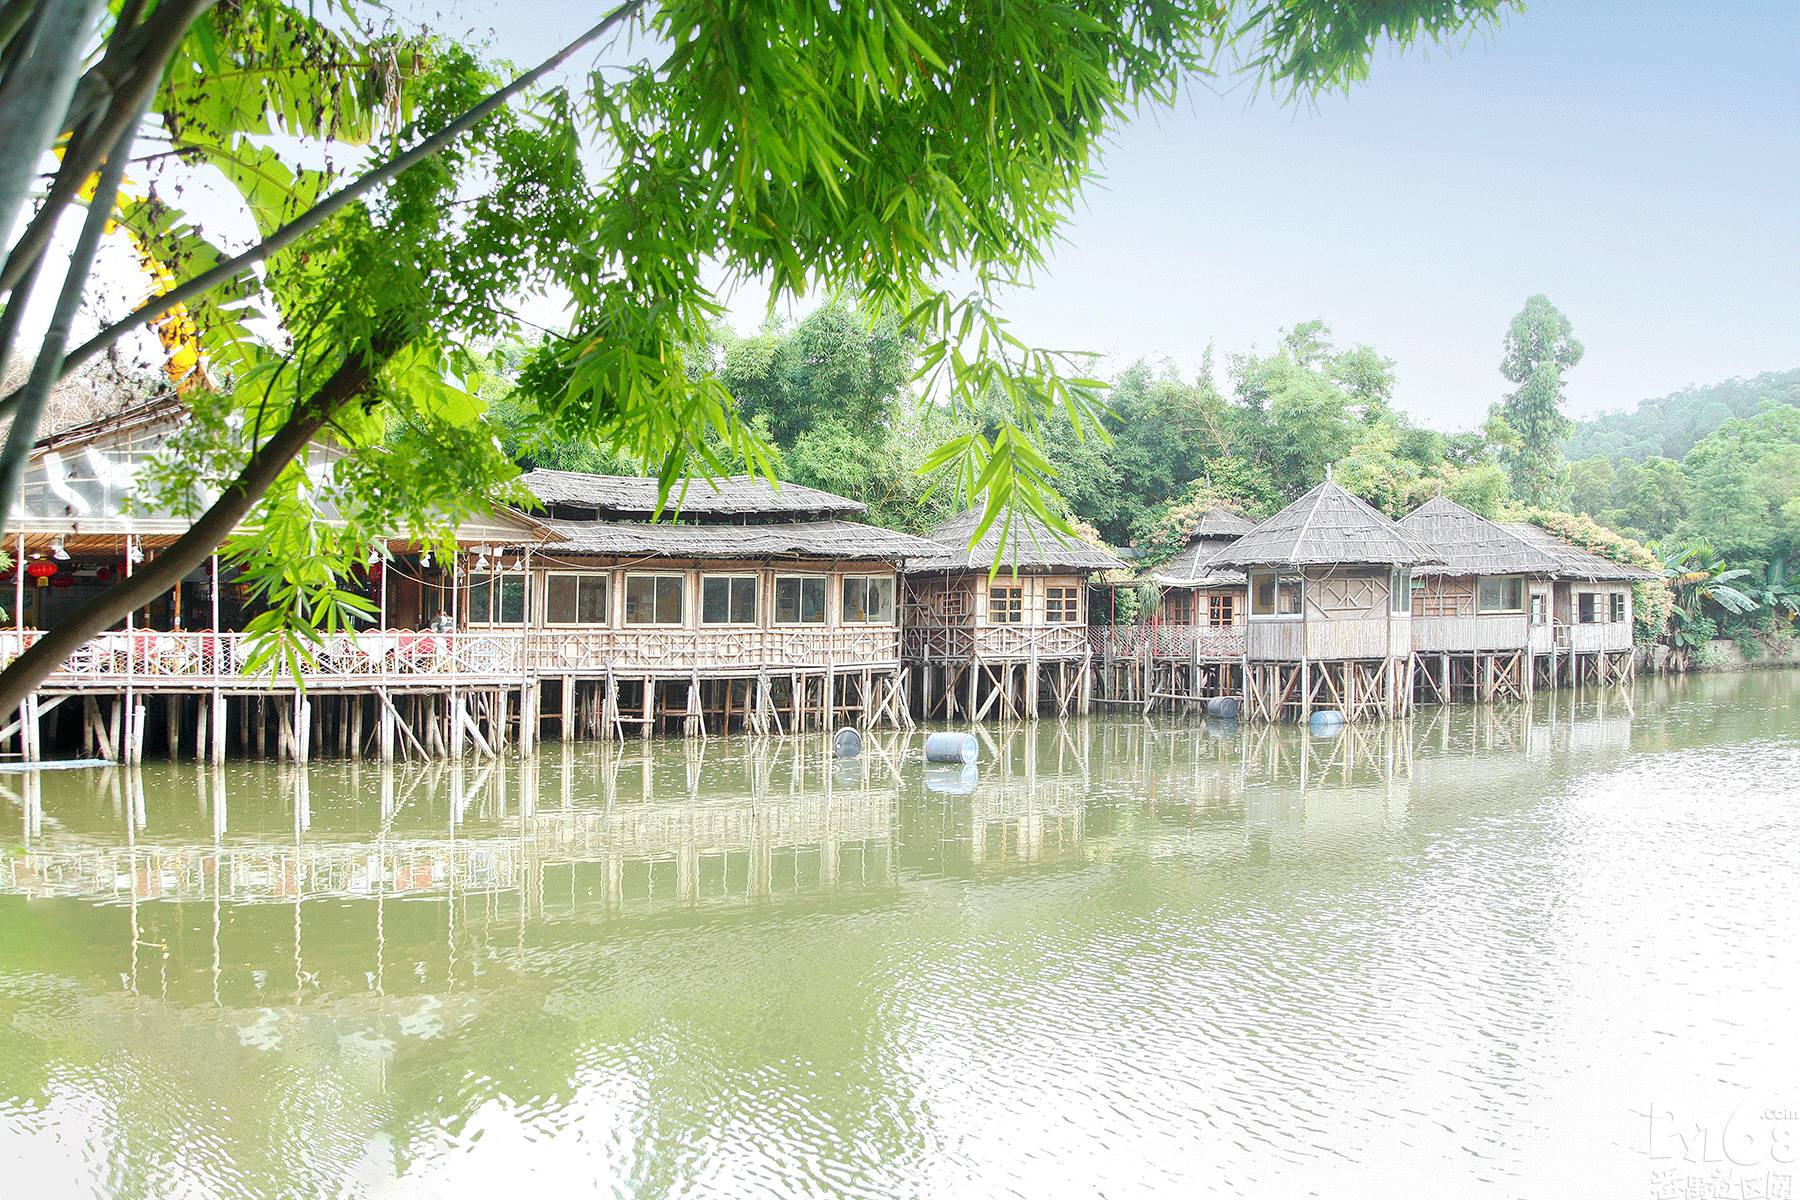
<point x="1491" y="951"/>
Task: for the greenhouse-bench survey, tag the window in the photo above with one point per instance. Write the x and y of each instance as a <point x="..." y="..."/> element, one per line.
<point x="1505" y="594"/>
<point x="1274" y="597"/>
<point x="1006" y="604"/>
<point x="799" y="599"/>
<point x="1587" y="607"/>
<point x="1537" y="608"/>
<point x="653" y="599"/>
<point x="728" y="600"/>
<point x="1400" y="590"/>
<point x="1062" y="605"/>
<point x="1178" y="608"/>
<point x="497" y="599"/>
<point x="869" y="599"/>
<point x="1617" y="607"/>
<point x="1222" y="611"/>
<point x="575" y="600"/>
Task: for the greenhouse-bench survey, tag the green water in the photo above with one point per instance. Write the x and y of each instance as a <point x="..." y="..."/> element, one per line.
<point x="1489" y="951"/>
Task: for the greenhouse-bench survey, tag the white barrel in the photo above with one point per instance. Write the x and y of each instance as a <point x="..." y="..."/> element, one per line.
<point x="951" y="748"/>
<point x="1326" y="721"/>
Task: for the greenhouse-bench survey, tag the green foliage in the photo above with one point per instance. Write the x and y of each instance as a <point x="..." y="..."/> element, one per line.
<point x="1744" y="482"/>
<point x="1669" y="426"/>
<point x="1651" y="599"/>
<point x="1540" y="348"/>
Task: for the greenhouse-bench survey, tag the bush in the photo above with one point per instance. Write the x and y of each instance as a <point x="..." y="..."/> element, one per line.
<point x="1748" y="644"/>
<point x="1709" y="656"/>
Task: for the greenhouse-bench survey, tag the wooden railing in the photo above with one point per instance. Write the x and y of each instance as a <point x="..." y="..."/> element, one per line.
<point x="221" y="659"/>
<point x="578" y="651"/>
<point x="1181" y="642"/>
<point x="960" y="643"/>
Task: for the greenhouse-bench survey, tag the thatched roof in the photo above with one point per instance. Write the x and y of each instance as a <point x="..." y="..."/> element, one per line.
<point x="1216" y="529"/>
<point x="1470" y="544"/>
<point x="785" y="539"/>
<point x="1572" y="562"/>
<point x="733" y="496"/>
<point x="1326" y="526"/>
<point x="1030" y="546"/>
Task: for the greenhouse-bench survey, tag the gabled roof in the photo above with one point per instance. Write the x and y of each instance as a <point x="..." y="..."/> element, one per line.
<point x="1470" y="544"/>
<point x="631" y="496"/>
<point x="1572" y="562"/>
<point x="1030" y="545"/>
<point x="1328" y="525"/>
<point x="779" y="539"/>
<point x="1216" y="529"/>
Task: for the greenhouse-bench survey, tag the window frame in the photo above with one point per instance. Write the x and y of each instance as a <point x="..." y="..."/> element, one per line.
<point x="868" y="580"/>
<point x="1592" y="600"/>
<point x="1178" y="606"/>
<point x="1014" y="590"/>
<point x="1277" y="578"/>
<point x="1072" y="599"/>
<point x="1537" y="609"/>
<point x="680" y="577"/>
<point x="1510" y="610"/>
<point x="489" y="581"/>
<point x="1222" y="600"/>
<point x="728" y="578"/>
<point x="1400" y="592"/>
<point x="824" y="582"/>
<point x="1617" y="610"/>
<point x="605" y="580"/>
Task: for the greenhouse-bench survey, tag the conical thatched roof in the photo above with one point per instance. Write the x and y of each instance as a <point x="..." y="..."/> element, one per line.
<point x="1030" y="546"/>
<point x="1216" y="529"/>
<point x="1470" y="544"/>
<point x="1328" y="525"/>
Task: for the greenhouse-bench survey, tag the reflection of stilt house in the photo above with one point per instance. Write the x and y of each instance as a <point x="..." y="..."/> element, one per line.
<point x="1591" y="631"/>
<point x="1192" y="646"/>
<point x="1330" y="608"/>
<point x="759" y="608"/>
<point x="1006" y="645"/>
<point x="1481" y="618"/>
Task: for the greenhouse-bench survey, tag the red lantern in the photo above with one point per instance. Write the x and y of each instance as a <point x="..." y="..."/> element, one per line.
<point x="103" y="573"/>
<point x="40" y="568"/>
<point x="63" y="581"/>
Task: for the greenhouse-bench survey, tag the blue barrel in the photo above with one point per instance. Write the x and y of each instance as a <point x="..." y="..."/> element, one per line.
<point x="951" y="748"/>
<point x="846" y="743"/>
<point x="1326" y="722"/>
<point x="1223" y="707"/>
<point x="952" y="780"/>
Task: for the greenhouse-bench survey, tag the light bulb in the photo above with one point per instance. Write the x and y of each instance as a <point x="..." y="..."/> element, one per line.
<point x="57" y="551"/>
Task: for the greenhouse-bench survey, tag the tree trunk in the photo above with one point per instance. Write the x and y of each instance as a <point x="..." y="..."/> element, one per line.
<point x="202" y="538"/>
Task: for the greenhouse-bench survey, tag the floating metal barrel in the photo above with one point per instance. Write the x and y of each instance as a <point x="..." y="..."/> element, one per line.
<point x="952" y="748"/>
<point x="846" y="743"/>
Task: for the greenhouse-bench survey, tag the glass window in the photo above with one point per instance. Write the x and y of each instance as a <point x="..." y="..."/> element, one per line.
<point x="653" y="599"/>
<point x="575" y="600"/>
<point x="1062" y="605"/>
<point x="1537" y="608"/>
<point x="1618" y="607"/>
<point x="1587" y="607"/>
<point x="1178" y="608"/>
<point x="869" y="599"/>
<point x="496" y="598"/>
<point x="800" y="600"/>
<point x="1273" y="595"/>
<point x="1221" y="610"/>
<point x="728" y="600"/>
<point x="1400" y="590"/>
<point x="1503" y="595"/>
<point x="1006" y="604"/>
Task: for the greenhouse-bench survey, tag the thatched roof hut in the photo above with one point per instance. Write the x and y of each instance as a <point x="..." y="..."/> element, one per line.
<point x="737" y="498"/>
<point x="1572" y="562"/>
<point x="1326" y="526"/>
<point x="1030" y="546"/>
<point x="1470" y="544"/>
<point x="1217" y="528"/>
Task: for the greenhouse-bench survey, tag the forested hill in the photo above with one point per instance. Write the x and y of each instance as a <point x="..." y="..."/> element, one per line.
<point x="1669" y="426"/>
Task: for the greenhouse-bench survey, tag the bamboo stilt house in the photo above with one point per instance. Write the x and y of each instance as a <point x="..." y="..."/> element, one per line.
<point x="744" y="605"/>
<point x="1330" y="608"/>
<point x="1482" y="618"/>
<point x="1000" y="628"/>
<point x="1591" y="613"/>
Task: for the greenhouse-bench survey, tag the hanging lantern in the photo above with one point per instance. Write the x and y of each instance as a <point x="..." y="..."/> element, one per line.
<point x="40" y="568"/>
<point x="63" y="581"/>
<point x="103" y="572"/>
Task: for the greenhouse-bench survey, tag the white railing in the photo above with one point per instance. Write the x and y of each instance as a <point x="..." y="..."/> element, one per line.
<point x="730" y="650"/>
<point x="1181" y="642"/>
<point x="149" y="659"/>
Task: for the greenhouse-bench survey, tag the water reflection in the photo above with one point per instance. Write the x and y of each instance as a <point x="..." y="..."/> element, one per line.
<point x="712" y="968"/>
